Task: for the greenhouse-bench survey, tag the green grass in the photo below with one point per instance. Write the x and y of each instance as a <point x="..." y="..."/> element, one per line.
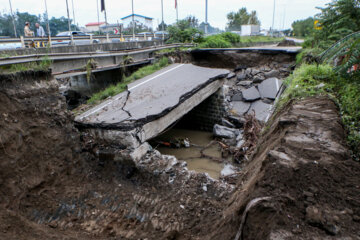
<point x="121" y="86"/>
<point x="42" y="65"/>
<point x="255" y="39"/>
<point x="305" y="82"/>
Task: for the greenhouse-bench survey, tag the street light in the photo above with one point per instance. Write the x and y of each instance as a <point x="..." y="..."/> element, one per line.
<point x="68" y="15"/>
<point x="206" y="17"/>
<point x="133" y="20"/>
<point x="162" y="19"/>
<point x="273" y="21"/>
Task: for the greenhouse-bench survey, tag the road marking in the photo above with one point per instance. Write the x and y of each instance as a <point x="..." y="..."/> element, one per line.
<point x="110" y="101"/>
<point x="277" y="84"/>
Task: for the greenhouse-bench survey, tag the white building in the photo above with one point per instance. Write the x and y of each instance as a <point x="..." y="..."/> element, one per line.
<point x="138" y="19"/>
<point x="250" y="30"/>
<point x="94" y="26"/>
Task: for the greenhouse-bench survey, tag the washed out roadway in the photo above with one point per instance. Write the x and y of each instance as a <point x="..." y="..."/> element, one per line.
<point x="151" y="97"/>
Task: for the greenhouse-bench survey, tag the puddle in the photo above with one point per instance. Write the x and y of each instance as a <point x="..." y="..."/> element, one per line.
<point x="192" y="154"/>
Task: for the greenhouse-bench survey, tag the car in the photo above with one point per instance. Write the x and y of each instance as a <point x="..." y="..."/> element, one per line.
<point x="74" y="33"/>
<point x="76" y="41"/>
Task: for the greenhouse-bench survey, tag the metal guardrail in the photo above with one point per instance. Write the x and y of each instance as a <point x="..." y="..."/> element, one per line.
<point x="104" y="38"/>
<point x="71" y="56"/>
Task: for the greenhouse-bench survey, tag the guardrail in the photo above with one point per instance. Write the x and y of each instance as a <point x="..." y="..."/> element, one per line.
<point x="44" y="41"/>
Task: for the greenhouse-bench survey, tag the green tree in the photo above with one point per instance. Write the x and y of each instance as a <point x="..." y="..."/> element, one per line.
<point x="185" y="30"/>
<point x="303" y="28"/>
<point x="242" y="17"/>
<point x="338" y="19"/>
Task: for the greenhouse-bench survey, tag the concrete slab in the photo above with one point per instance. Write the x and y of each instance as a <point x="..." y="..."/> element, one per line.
<point x="262" y="110"/>
<point x="270" y="88"/>
<point x="241" y="108"/>
<point x="153" y="103"/>
<point x="251" y="94"/>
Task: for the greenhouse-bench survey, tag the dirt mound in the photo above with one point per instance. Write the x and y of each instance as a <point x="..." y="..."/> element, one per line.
<point x="286" y="43"/>
<point x="58" y="184"/>
<point x="303" y="170"/>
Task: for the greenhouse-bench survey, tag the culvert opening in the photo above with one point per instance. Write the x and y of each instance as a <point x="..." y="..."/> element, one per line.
<point x="191" y="139"/>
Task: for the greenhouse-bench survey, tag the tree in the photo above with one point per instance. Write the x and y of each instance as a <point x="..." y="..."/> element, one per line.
<point x="303" y="28"/>
<point x="338" y="19"/>
<point x="242" y="17"/>
<point x="185" y="30"/>
<point x="56" y="24"/>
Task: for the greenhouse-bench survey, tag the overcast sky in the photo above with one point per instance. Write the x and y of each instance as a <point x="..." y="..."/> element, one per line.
<point x="287" y="11"/>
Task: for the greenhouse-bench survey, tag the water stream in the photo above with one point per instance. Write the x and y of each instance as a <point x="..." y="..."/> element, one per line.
<point x="192" y="155"/>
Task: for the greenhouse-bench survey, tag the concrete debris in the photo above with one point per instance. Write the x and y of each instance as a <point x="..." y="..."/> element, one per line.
<point x="251" y="94"/>
<point x="241" y="76"/>
<point x="237" y="97"/>
<point x="270" y="88"/>
<point x="272" y="73"/>
<point x="245" y="83"/>
<point x="224" y="132"/>
<point x="262" y="110"/>
<point x="227" y="123"/>
<point x="231" y="75"/>
<point x="240" y="108"/>
<point x="258" y="79"/>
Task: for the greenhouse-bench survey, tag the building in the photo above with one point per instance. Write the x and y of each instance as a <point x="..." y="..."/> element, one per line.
<point x="94" y="26"/>
<point x="139" y="20"/>
<point x="250" y="30"/>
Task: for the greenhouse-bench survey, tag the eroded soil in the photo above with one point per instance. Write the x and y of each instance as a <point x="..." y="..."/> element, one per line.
<point x="54" y="184"/>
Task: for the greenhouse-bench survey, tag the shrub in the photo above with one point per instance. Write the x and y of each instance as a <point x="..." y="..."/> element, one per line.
<point x="215" y="41"/>
<point x="233" y="38"/>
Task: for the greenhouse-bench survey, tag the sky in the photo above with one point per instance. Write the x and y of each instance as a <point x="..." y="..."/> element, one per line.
<point x="287" y="11"/>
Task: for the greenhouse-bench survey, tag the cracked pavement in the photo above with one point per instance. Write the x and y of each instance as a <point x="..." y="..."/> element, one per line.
<point x="150" y="98"/>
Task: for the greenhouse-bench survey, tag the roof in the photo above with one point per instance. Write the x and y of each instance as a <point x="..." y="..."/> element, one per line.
<point x="138" y="15"/>
<point x="94" y="24"/>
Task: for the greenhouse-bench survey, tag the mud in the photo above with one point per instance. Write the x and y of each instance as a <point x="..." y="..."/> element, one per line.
<point x="56" y="183"/>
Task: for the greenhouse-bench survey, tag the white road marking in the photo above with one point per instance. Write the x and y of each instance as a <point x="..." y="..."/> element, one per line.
<point x="110" y="101"/>
<point x="277" y="85"/>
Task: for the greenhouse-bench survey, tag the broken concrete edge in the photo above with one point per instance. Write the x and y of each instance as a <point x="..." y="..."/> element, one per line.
<point x="250" y="50"/>
<point x="133" y="138"/>
<point x="133" y="124"/>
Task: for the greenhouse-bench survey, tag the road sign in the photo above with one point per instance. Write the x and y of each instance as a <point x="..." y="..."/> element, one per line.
<point x="317" y="25"/>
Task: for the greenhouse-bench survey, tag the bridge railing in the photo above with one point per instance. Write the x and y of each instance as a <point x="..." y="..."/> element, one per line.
<point x="23" y="42"/>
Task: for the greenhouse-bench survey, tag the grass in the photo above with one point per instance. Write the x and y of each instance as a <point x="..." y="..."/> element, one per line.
<point x="321" y="80"/>
<point x="42" y="65"/>
<point x="255" y="39"/>
<point x="121" y="86"/>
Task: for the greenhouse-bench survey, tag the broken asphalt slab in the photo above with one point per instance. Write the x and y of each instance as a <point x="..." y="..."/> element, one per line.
<point x="251" y="94"/>
<point x="270" y="88"/>
<point x="262" y="110"/>
<point x="151" y="97"/>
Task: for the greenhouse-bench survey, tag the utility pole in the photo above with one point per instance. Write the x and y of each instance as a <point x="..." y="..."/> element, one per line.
<point x="177" y="10"/>
<point x="133" y="19"/>
<point x="13" y="19"/>
<point x="47" y="19"/>
<point x="68" y="15"/>
<point x="206" y="17"/>
<point x="98" y="15"/>
<point x="162" y="19"/>
<point x="72" y="2"/>
<point x="273" y="21"/>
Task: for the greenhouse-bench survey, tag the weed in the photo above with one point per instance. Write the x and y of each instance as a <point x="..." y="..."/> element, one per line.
<point x="122" y="86"/>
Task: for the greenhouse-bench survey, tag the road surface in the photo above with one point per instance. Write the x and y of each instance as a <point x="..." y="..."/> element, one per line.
<point x="151" y="97"/>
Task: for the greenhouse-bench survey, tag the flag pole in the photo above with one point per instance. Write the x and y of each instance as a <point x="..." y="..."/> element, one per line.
<point x="162" y="19"/>
<point x="177" y="11"/>
<point x="68" y="15"/>
<point x="13" y="19"/>
<point x="133" y="20"/>
<point x="98" y="15"/>
<point x="72" y="2"/>
<point x="206" y="17"/>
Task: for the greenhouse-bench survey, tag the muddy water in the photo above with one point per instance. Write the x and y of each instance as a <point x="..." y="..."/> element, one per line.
<point x="192" y="154"/>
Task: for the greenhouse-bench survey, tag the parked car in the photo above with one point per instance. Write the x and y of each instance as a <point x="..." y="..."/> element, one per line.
<point x="76" y="41"/>
<point x="74" y="33"/>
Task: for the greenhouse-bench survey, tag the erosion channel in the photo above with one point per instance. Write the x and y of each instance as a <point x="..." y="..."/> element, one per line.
<point x="230" y="168"/>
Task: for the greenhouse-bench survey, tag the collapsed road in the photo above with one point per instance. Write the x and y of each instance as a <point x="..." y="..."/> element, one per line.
<point x="152" y="104"/>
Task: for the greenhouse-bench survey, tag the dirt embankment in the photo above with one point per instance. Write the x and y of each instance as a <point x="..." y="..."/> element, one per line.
<point x="303" y="178"/>
<point x="58" y="184"/>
